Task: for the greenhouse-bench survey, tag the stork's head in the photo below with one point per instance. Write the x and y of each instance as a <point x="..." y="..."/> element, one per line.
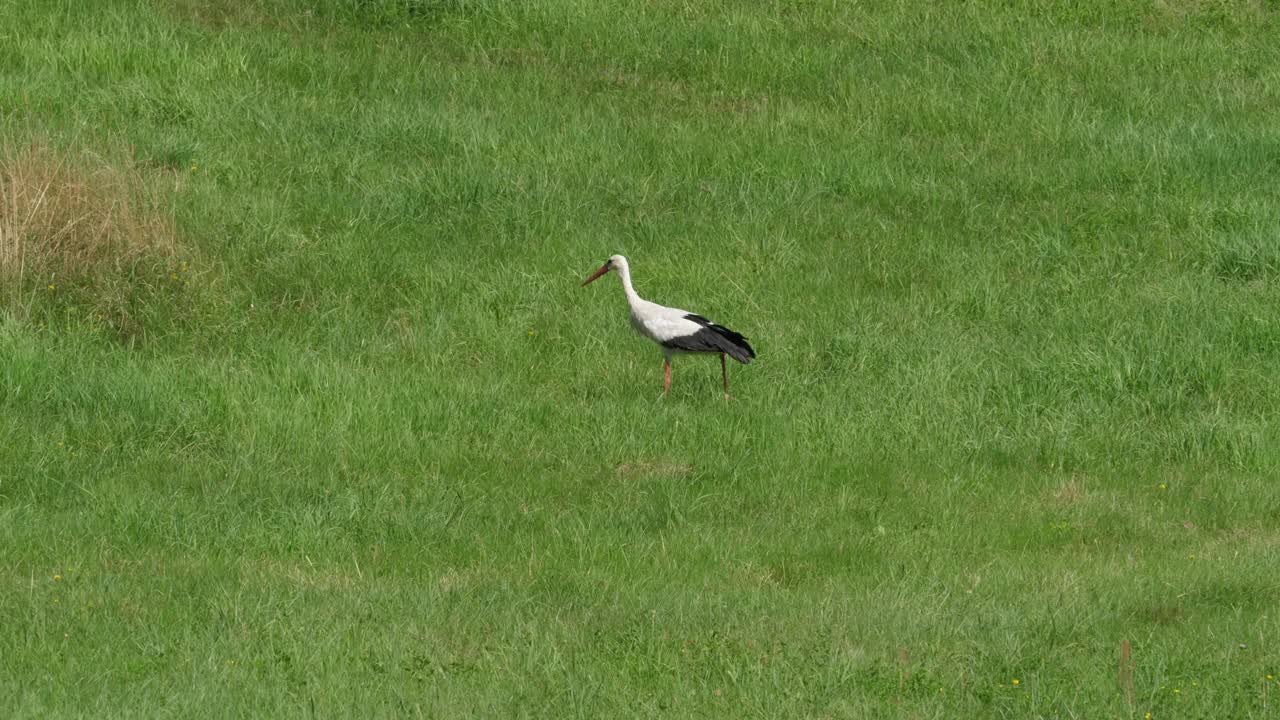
<point x="615" y="262"/>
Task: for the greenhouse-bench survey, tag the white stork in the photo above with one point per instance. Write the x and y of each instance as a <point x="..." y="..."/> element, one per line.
<point x="677" y="331"/>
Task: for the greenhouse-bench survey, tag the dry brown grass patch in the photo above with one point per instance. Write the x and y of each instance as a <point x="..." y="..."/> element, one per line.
<point x="83" y="224"/>
<point x="76" y="214"/>
<point x="1070" y="493"/>
<point x="659" y="468"/>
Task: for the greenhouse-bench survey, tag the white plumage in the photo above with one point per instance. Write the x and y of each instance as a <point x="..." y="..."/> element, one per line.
<point x="677" y="331"/>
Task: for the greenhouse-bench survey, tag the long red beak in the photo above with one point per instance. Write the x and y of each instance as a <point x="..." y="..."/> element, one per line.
<point x="603" y="269"/>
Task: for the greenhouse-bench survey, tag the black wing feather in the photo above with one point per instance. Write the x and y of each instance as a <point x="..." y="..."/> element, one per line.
<point x="713" y="338"/>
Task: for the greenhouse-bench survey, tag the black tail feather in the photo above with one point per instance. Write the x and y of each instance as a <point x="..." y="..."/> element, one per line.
<point x="714" y="338"/>
<point x="733" y="344"/>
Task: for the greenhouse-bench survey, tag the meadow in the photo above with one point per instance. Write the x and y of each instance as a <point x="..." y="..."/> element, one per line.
<point x="303" y="413"/>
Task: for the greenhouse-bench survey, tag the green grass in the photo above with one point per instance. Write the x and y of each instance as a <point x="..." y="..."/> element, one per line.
<point x="1011" y="272"/>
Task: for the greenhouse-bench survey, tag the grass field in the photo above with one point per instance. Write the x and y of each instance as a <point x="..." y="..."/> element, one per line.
<point x="303" y="413"/>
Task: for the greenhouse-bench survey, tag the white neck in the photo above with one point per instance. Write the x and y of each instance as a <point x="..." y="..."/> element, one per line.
<point x="624" y="273"/>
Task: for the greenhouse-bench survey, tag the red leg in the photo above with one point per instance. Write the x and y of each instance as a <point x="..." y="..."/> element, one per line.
<point x="666" y="375"/>
<point x="724" y="375"/>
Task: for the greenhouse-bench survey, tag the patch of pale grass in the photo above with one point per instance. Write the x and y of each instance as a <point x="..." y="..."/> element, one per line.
<point x="660" y="467"/>
<point x="1070" y="493"/>
<point x="77" y="219"/>
<point x="75" y="214"/>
